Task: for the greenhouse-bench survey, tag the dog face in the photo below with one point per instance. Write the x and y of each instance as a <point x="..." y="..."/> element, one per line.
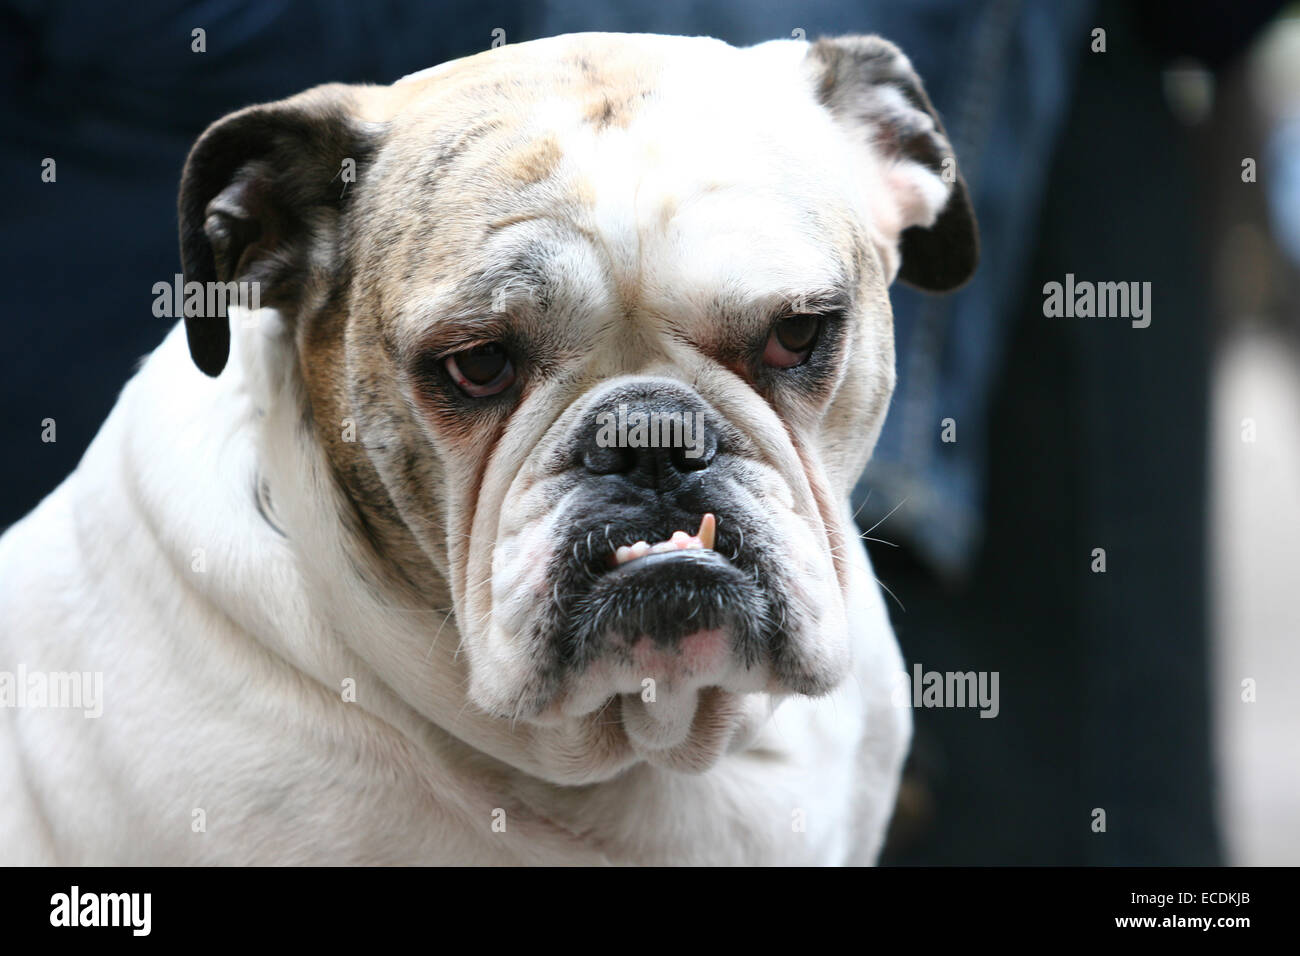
<point x="609" y="316"/>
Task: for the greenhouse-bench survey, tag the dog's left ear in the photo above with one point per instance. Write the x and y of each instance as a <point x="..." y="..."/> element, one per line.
<point x="261" y="195"/>
<point x="870" y="87"/>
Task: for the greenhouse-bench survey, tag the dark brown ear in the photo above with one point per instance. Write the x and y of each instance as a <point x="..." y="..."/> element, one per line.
<point x="870" y="87"/>
<point x="260" y="199"/>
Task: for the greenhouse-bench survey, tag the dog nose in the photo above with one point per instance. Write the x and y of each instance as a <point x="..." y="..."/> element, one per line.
<point x="651" y="441"/>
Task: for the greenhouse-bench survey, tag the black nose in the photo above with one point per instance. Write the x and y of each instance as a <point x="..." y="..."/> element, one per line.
<point x="651" y="439"/>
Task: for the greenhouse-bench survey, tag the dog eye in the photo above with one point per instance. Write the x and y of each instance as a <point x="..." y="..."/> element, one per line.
<point x="482" y="370"/>
<point x="792" y="340"/>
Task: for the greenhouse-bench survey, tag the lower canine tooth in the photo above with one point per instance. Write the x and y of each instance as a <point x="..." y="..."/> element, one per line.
<point x="708" y="528"/>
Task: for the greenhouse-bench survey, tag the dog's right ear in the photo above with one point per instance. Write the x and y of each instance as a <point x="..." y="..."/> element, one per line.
<point x="260" y="200"/>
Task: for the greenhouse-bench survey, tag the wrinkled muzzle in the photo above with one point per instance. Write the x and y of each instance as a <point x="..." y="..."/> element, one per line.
<point x="654" y="558"/>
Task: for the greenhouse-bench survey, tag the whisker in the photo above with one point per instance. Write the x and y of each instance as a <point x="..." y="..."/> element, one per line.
<point x="434" y="642"/>
<point x="890" y="593"/>
<point x="888" y="516"/>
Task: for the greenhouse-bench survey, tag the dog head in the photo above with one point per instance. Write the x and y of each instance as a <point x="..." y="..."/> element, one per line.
<point x="608" y="315"/>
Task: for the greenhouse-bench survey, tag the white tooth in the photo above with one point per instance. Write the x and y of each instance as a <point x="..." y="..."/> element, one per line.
<point x="640" y="549"/>
<point x="623" y="555"/>
<point x="662" y="547"/>
<point x="680" y="539"/>
<point x="708" y="527"/>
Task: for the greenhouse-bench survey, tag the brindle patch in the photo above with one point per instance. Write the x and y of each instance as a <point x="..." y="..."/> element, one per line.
<point x="534" y="163"/>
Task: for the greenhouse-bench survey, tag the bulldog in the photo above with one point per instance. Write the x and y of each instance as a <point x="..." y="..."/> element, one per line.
<point x="364" y="575"/>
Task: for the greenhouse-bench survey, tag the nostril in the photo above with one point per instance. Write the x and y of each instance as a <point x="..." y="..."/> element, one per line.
<point x="688" y="462"/>
<point x="695" y="457"/>
<point x="649" y="440"/>
<point x="607" y="461"/>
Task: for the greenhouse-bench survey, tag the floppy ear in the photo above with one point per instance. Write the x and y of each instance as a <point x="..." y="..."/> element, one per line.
<point x="870" y="88"/>
<point x="260" y="199"/>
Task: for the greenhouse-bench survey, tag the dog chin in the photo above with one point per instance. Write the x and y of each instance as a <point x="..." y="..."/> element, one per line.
<point x="691" y="731"/>
<point x="681" y="704"/>
<point x="661" y="677"/>
<point x="681" y="726"/>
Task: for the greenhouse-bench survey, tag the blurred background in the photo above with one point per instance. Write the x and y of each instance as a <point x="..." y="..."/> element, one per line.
<point x="1155" y="142"/>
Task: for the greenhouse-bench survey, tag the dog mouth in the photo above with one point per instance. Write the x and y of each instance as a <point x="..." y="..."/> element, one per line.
<point x="632" y="594"/>
<point x="640" y="577"/>
<point x="678" y="541"/>
<point x="675" y="609"/>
